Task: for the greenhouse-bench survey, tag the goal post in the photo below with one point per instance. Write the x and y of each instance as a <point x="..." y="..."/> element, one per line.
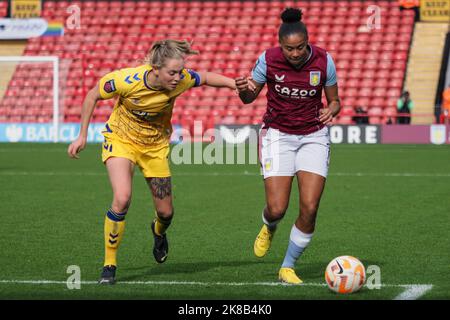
<point x="55" y="86"/>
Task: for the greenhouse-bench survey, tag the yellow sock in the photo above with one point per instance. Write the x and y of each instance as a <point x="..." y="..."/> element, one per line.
<point x="161" y="225"/>
<point x="113" y="235"/>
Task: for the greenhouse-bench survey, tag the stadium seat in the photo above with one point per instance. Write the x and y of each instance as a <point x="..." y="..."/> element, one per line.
<point x="375" y="120"/>
<point x="117" y="29"/>
<point x="390" y="112"/>
<point x="344" y="120"/>
<point x="3" y="9"/>
<point x="347" y="109"/>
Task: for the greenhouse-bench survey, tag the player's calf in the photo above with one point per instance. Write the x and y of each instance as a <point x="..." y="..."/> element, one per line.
<point x="160" y="245"/>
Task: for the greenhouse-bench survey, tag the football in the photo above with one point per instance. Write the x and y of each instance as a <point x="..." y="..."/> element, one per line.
<point x="345" y="274"/>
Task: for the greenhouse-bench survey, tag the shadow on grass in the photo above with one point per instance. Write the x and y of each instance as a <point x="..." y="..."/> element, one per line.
<point x="256" y="270"/>
<point x="194" y="267"/>
<point x="317" y="269"/>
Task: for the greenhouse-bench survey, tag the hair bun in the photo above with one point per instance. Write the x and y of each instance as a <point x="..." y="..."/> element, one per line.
<point x="291" y="15"/>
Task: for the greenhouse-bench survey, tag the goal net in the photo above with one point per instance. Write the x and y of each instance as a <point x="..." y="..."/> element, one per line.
<point x="30" y="104"/>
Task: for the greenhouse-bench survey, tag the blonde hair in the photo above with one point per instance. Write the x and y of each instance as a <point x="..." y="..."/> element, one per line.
<point x="168" y="49"/>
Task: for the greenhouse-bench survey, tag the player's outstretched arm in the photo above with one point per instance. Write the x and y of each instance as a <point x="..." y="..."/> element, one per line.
<point x="333" y="105"/>
<point x="86" y="113"/>
<point x="248" y="89"/>
<point x="216" y="80"/>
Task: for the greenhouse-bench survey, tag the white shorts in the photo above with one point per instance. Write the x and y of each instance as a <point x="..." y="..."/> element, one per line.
<point x="284" y="154"/>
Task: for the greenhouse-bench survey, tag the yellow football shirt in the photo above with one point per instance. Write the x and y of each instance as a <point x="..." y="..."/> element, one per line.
<point x="142" y="114"/>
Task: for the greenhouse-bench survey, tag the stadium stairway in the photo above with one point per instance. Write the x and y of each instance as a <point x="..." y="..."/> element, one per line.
<point x="423" y="69"/>
<point x="9" y="48"/>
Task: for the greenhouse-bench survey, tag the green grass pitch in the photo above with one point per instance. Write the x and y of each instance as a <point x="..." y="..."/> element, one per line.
<point x="388" y="205"/>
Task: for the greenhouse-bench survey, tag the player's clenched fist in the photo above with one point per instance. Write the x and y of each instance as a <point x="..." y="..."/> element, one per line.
<point x="244" y="84"/>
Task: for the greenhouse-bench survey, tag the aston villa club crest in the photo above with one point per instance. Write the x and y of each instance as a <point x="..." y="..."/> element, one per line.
<point x="268" y="164"/>
<point x="314" y="78"/>
<point x="437" y="134"/>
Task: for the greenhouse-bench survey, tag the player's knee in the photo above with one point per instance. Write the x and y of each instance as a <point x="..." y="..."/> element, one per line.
<point x="121" y="202"/>
<point x="166" y="213"/>
<point x="275" y="211"/>
<point x="308" y="212"/>
<point x="309" y="209"/>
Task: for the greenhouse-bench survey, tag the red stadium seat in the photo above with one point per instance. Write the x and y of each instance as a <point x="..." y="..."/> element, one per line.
<point x="346" y="109"/>
<point x="375" y="111"/>
<point x="375" y="120"/>
<point x="380" y="92"/>
<point x="390" y="112"/>
<point x="365" y="92"/>
<point x="345" y="120"/>
<point x="244" y="120"/>
<point x="378" y="102"/>
<point x="370" y="66"/>
<point x="363" y="102"/>
<point x="394" y="93"/>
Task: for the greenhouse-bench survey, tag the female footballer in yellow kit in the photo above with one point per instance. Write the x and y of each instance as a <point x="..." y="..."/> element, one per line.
<point x="138" y="133"/>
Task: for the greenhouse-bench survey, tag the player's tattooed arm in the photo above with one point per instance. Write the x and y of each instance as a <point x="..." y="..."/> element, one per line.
<point x="161" y="187"/>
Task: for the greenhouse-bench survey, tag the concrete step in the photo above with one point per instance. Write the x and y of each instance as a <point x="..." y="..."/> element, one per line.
<point x="423" y="69"/>
<point x="9" y="48"/>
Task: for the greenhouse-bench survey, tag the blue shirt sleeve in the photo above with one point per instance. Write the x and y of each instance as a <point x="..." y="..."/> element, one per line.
<point x="194" y="76"/>
<point x="331" y="72"/>
<point x="260" y="70"/>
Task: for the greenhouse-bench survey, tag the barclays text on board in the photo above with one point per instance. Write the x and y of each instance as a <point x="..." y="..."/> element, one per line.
<point x="67" y="132"/>
<point x="43" y="132"/>
<point x="235" y="134"/>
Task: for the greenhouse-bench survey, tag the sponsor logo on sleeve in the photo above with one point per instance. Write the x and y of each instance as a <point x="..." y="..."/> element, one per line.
<point x="109" y="86"/>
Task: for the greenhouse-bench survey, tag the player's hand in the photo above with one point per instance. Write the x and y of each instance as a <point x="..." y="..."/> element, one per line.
<point x="244" y="84"/>
<point x="326" y="116"/>
<point x="75" y="147"/>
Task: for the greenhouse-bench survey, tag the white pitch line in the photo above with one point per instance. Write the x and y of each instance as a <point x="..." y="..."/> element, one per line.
<point x="184" y="283"/>
<point x="389" y="174"/>
<point x="413" y="292"/>
<point x="199" y="283"/>
<point x="244" y="173"/>
<point x="50" y="173"/>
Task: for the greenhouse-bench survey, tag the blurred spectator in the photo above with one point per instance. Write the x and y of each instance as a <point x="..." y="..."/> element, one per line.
<point x="446" y="99"/>
<point x="361" y="116"/>
<point x="411" y="5"/>
<point x="445" y="117"/>
<point x="404" y="105"/>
